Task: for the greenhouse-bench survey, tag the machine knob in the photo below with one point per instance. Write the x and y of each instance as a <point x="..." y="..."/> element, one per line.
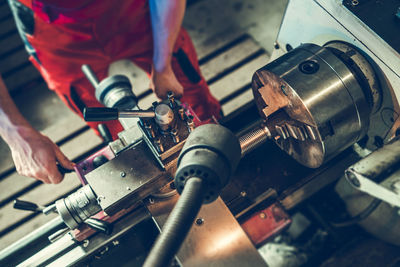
<point x="99" y="225"/>
<point x="100" y="114"/>
<point x="26" y="205"/>
<point x="99" y="160"/>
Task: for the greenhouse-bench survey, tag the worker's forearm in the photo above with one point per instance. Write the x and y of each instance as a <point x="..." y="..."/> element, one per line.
<point x="166" y="19"/>
<point x="10" y="117"/>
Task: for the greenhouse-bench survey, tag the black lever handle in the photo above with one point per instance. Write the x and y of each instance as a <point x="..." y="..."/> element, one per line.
<point x="100" y="114"/>
<point x="26" y="205"/>
<point x="102" y="226"/>
<point x="63" y="170"/>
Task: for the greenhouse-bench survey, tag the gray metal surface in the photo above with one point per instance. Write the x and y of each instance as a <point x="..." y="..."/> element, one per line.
<point x="126" y="179"/>
<point x="310" y="124"/>
<point x="50" y="252"/>
<point x="216" y="238"/>
<point x="67" y="252"/>
<point x="26" y="242"/>
<point x="375" y="176"/>
<point x="378" y="167"/>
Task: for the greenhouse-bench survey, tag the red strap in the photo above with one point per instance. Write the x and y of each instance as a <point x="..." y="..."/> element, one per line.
<point x="27" y="3"/>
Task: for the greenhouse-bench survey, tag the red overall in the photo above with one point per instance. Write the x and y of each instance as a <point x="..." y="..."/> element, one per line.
<point x="70" y="33"/>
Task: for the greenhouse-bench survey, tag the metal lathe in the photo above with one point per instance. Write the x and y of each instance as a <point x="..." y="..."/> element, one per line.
<point x="169" y="191"/>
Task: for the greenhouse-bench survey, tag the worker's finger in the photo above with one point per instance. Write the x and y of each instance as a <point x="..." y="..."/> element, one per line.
<point x="62" y="159"/>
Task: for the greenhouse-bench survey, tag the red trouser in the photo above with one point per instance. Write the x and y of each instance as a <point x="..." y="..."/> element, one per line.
<point x="98" y="33"/>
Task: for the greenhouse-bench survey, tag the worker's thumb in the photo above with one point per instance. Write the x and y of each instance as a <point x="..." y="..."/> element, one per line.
<point x="62" y="159"/>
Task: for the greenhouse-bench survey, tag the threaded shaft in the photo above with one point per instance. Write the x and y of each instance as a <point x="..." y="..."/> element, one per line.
<point x="254" y="138"/>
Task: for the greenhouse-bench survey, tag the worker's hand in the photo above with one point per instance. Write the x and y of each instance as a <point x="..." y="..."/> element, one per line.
<point x="35" y="155"/>
<point x="164" y="81"/>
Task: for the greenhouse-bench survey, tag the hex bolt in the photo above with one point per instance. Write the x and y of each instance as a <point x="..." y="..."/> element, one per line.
<point x="144" y="122"/>
<point x="181" y="113"/>
<point x="263" y="215"/>
<point x="199" y="221"/>
<point x="171" y="99"/>
<point x="172" y="186"/>
<point x="190" y="123"/>
<point x="175" y="136"/>
<point x="123" y="174"/>
<point x="158" y="145"/>
<point x="150" y="130"/>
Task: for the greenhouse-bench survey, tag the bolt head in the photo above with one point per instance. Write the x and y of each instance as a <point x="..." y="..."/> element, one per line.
<point x="199" y="221"/>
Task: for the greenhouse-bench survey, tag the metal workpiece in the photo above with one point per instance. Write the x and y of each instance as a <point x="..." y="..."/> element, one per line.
<point x="253" y="138"/>
<point x="303" y="89"/>
<point x="78" y="207"/>
<point x="164" y="116"/>
<point x="212" y="152"/>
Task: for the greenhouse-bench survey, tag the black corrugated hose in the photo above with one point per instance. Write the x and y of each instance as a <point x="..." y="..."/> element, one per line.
<point x="177" y="225"/>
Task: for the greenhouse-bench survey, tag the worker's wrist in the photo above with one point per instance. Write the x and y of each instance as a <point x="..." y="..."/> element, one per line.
<point x="14" y="132"/>
<point x="162" y="62"/>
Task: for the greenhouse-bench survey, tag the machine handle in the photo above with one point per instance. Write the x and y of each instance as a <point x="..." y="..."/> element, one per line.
<point x="105" y="133"/>
<point x="26" y="205"/>
<point x="102" y="226"/>
<point x="107" y="114"/>
<point x="90" y="75"/>
<point x="100" y="114"/>
<point x="63" y="170"/>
